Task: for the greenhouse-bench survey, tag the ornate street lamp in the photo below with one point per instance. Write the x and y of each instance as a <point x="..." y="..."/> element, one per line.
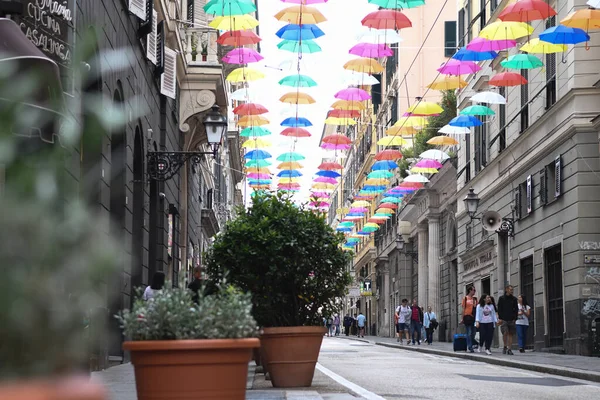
<point x="163" y="165"/>
<point x="471" y="203"/>
<point x="490" y="220"/>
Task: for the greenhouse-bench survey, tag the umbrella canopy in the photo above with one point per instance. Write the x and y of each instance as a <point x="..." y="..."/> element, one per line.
<point x="457" y="67"/>
<point x="388" y="155"/>
<point x="477" y="110"/>
<point x="371" y="50"/>
<point x="401" y="131"/>
<point x="244" y="75"/>
<point x="392" y="141"/>
<point x="243" y="94"/>
<point x="250" y="109"/>
<point x="296" y="122"/>
<point x="508" y="79"/>
<point x="522" y="61"/>
<point x="257" y="163"/>
<point x="454" y="130"/>
<point x="465" y="121"/>
<point x="381" y="174"/>
<point x="442" y="141"/>
<point x="527" y="10"/>
<point x="290" y="156"/>
<point x="331" y="166"/>
<point x="337" y="139"/>
<point x="480" y="44"/>
<point x="229" y="7"/>
<point x="254" y="175"/>
<point x="506" y="30"/>
<point x="564" y="35"/>
<point x="465" y="54"/>
<point x="238" y="38"/>
<point x="326" y="180"/>
<point x="418" y="178"/>
<point x="242" y="55"/>
<point x="384" y="165"/>
<point x="297" y="81"/>
<point x="234" y="22"/>
<point x="328" y="173"/>
<point x="348" y="105"/>
<point x="257" y="155"/>
<point x="289" y="173"/>
<point x="537" y="46"/>
<point x="428" y="163"/>
<point x="290" y="165"/>
<point x="420" y="170"/>
<point x="304" y="46"/>
<point x="364" y="65"/>
<point x="413" y="122"/>
<point x="255" y="131"/>
<point x="424" y="109"/>
<point x="393" y="200"/>
<point x="361" y="203"/>
<point x="489" y="98"/>
<point x="352" y="94"/>
<point x="376" y="182"/>
<point x="300" y="14"/>
<point x="398" y="4"/>
<point x="252" y="120"/>
<point x="447" y="82"/>
<point x="586" y="19"/>
<point x="297" y="98"/>
<point x="343" y="113"/>
<point x="340" y="121"/>
<point x="386" y="19"/>
<point x="300" y="32"/>
<point x="256" y="143"/>
<point x="295" y="132"/>
<point x="391" y="206"/>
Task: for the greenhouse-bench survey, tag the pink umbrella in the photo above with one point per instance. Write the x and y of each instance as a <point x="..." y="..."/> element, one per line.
<point x="371" y="50"/>
<point x="480" y="44"/>
<point x="359" y="210"/>
<point x="320" y="195"/>
<point x="428" y="164"/>
<point x="326" y="180"/>
<point x="255" y="175"/>
<point x="331" y="146"/>
<point x="320" y="204"/>
<point x="242" y="55"/>
<point x="457" y="67"/>
<point x="353" y="94"/>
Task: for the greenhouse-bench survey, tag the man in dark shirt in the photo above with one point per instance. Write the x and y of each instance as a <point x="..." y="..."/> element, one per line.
<point x="508" y="310"/>
<point x="196" y="284"/>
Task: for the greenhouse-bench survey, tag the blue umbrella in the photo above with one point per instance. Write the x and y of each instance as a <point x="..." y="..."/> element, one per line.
<point x="257" y="155"/>
<point x="329" y="174"/>
<point x="259" y="181"/>
<point x="373" y="188"/>
<point x="391" y="193"/>
<point x="289" y="173"/>
<point x="384" y="164"/>
<point x="561" y="34"/>
<point x="300" y="32"/>
<point x="468" y="55"/>
<point x="343" y="229"/>
<point x="296" y="122"/>
<point x="465" y="121"/>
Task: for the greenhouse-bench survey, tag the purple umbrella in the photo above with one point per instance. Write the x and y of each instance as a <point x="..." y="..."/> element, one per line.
<point x="359" y="210"/>
<point x="242" y="55"/>
<point x="326" y="180"/>
<point x="353" y="94"/>
<point x="481" y="44"/>
<point x="428" y="164"/>
<point x="457" y="67"/>
<point x="333" y="146"/>
<point x="371" y="50"/>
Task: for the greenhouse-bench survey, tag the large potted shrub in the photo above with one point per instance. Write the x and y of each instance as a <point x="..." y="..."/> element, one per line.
<point x="292" y="263"/>
<point x="183" y="350"/>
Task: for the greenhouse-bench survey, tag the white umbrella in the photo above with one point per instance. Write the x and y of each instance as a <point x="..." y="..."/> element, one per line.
<point x="434" y="155"/>
<point x="361" y="79"/>
<point x="243" y="94"/>
<point x="454" y="130"/>
<point x="594" y="3"/>
<point x="379" y="36"/>
<point x="489" y="97"/>
<point x="416" y="178"/>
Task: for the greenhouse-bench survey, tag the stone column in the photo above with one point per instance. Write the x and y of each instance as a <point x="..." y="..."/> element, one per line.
<point x="423" y="262"/>
<point x="385" y="328"/>
<point x="433" y="298"/>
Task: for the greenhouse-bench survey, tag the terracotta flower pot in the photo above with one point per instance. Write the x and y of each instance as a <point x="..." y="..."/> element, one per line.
<point x="290" y="354"/>
<point x="72" y="388"/>
<point x="191" y="369"/>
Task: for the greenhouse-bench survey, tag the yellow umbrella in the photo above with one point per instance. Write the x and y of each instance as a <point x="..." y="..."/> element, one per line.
<point x="401" y="130"/>
<point x="506" y="30"/>
<point x="586" y="19"/>
<point x="252" y="120"/>
<point x="339" y="121"/>
<point x="442" y="141"/>
<point x="300" y="14"/>
<point x="260" y="187"/>
<point x="391" y="141"/>
<point x="537" y="46"/>
<point x="323" y="186"/>
<point x="385" y="210"/>
<point x="377" y="181"/>
<point x="411" y="122"/>
<point x="361" y="203"/>
<point x="256" y="143"/>
<point x="365" y="65"/>
<point x="289" y="180"/>
<point x="424" y="108"/>
<point x="447" y="82"/>
<point x="290" y="165"/>
<point x="371" y="225"/>
<point x="348" y="105"/>
<point x="244" y="75"/>
<point x="259" y="170"/>
<point x="297" y="98"/>
<point x="422" y="170"/>
<point x="234" y="22"/>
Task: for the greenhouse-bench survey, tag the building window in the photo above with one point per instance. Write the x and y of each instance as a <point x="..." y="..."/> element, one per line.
<point x="550" y="182"/>
<point x="394" y="111"/>
<point x="493" y="5"/>
<point x="469" y="234"/>
<point x="502" y="122"/>
<point x="449" y="38"/>
<point x="468" y="22"/>
<point x="482" y="14"/>
<point x="524" y="103"/>
<point x="524" y="198"/>
<point x="550" y="71"/>
<point x="461" y="28"/>
<point x="468" y="158"/>
<point x="480" y="146"/>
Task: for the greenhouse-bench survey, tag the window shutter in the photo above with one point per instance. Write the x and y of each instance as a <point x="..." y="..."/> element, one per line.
<point x="160" y="47"/>
<point x="543" y="187"/>
<point x="190" y="11"/>
<point x="449" y="38"/>
<point x="152" y="38"/>
<point x="138" y="8"/>
<point x="529" y="194"/>
<point x="557" y="176"/>
<point x="200" y="17"/>
<point x="518" y="202"/>
<point x="146" y="26"/>
<point x="168" y="79"/>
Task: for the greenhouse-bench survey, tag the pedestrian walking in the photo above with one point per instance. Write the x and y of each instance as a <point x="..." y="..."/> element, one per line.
<point x="403" y="311"/>
<point x="469" y="306"/>
<point x="486" y="320"/>
<point x="416" y="322"/>
<point x="158" y="282"/>
<point x="361" y="321"/>
<point x="522" y="322"/>
<point x="508" y="311"/>
<point x="330" y="327"/>
<point x="196" y="284"/>
<point x="354" y="326"/>
<point x="430" y="323"/>
<point x="336" y="323"/>
<point x="347" y="324"/>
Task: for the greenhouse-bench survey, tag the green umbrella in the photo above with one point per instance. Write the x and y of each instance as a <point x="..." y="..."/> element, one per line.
<point x="306" y="46"/>
<point x="290" y="156"/>
<point x="229" y="7"/>
<point x="382" y="174"/>
<point x="404" y="4"/>
<point x="255" y="131"/>
<point x="477" y="110"/>
<point x="522" y="61"/>
<point x="298" y="81"/>
<point x="258" y="163"/>
<point x="395" y="200"/>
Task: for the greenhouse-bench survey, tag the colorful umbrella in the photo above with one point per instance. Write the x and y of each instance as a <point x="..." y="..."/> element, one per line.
<point x="442" y="141"/>
<point x="352" y="94"/>
<point x="381" y="174"/>
<point x="238" y="38"/>
<point x="424" y="109"/>
<point x="297" y="98"/>
<point x="242" y="55"/>
<point x="398" y="4"/>
<point x="296" y="122"/>
<point x="527" y="10"/>
<point x="360" y="79"/>
<point x="484" y="45"/>
<point x="260" y="163"/>
<point x="489" y="98"/>
<point x="361" y="203"/>
<point x="507" y="79"/>
<point x="250" y="109"/>
<point x="244" y="75"/>
<point x="429" y="163"/>
<point x="457" y="67"/>
<point x="297" y="81"/>
<point x="252" y="120"/>
<point x="386" y="19"/>
<point x="337" y="139"/>
<point x="304" y="46"/>
<point x="522" y="61"/>
<point x="229" y="7"/>
<point x="326" y="180"/>
<point x="340" y="121"/>
<point x="323" y="186"/>
<point x="257" y="155"/>
<point x="289" y="173"/>
<point x="434" y="155"/>
<point x="392" y="155"/>
<point x="391" y="206"/>
<point x="586" y="19"/>
<point x="401" y="131"/>
<point x="419" y="170"/>
<point x="447" y="82"/>
<point x="243" y="94"/>
<point x="258" y="176"/>
<point x="454" y="130"/>
<point x="392" y="199"/>
<point x="300" y="32"/>
<point x="290" y="156"/>
<point x="295" y="132"/>
<point x="364" y="65"/>
<point x="465" y="54"/>
<point x="343" y="113"/>
<point x="416" y="178"/>
<point x="564" y="35"/>
<point x="537" y="46"/>
<point x="300" y="15"/>
<point x="348" y="105"/>
<point x="290" y="165"/>
<point x="377" y="182"/>
<point x="477" y="110"/>
<point x="505" y="30"/>
<point x="256" y="143"/>
<point x="234" y="22"/>
<point x="328" y="173"/>
<point x="465" y="121"/>
<point x="255" y="131"/>
<point x="371" y="50"/>
<point x="414" y="122"/>
<point x="384" y="165"/>
<point x="378" y="36"/>
<point x="331" y="166"/>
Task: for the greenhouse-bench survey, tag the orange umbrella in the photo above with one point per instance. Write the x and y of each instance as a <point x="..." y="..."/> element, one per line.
<point x="250" y="109"/>
<point x="295" y="132"/>
<point x="297" y="98"/>
<point x="401" y="131"/>
<point x="391" y="155"/>
<point x="300" y="14"/>
<point x="585" y="19"/>
<point x="348" y="105"/>
<point x="442" y="141"/>
<point x="290" y="165"/>
<point x="337" y="139"/>
<point x="253" y="120"/>
<point x="365" y="65"/>
<point x="508" y="79"/>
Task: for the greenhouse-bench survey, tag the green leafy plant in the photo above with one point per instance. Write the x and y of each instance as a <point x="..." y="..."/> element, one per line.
<point x="448" y="103"/>
<point x="287" y="257"/>
<point x="171" y="315"/>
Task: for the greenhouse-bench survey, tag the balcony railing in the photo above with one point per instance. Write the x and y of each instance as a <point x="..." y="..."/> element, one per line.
<point x="195" y="40"/>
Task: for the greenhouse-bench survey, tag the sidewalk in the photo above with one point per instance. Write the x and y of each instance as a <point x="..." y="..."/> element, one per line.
<point x="579" y="367"/>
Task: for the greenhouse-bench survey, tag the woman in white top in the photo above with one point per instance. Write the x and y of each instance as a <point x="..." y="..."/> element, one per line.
<point x="522" y="322"/>
<point x="158" y="281"/>
<point x="485" y="321"/>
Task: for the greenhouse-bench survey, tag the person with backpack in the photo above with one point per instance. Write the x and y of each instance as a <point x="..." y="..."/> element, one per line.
<point x="336" y="324"/>
<point x="330" y="326"/>
<point x="469" y="306"/>
<point x="430" y="323"/>
<point x="416" y="322"/>
<point x="347" y="324"/>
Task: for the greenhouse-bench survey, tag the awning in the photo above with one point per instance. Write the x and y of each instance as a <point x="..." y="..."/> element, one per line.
<point x="42" y="103"/>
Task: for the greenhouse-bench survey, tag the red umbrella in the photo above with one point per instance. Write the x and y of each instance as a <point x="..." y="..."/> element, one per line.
<point x="343" y="113"/>
<point x="527" y="10"/>
<point x="250" y="109"/>
<point x="337" y="139"/>
<point x="238" y="38"/>
<point x="388" y="205"/>
<point x="508" y="79"/>
<point x="330" y="166"/>
<point x="295" y="132"/>
<point x="415" y="185"/>
<point x="390" y="155"/>
<point x="386" y="19"/>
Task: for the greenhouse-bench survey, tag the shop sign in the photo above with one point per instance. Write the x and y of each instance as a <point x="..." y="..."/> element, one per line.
<point x="483" y="260"/>
<point x="365" y="288"/>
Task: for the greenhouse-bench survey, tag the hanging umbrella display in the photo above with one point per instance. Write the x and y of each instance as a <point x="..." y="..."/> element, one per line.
<point x="522" y="61"/>
<point x="229" y="7"/>
<point x="330" y="166"/>
<point x="429" y="163"/>
<point x="447" y="82"/>
<point x="291" y="156"/>
<point x="300" y="32"/>
<point x="507" y="79"/>
<point x="360" y="79"/>
<point x="398" y="4"/>
<point x="376" y="182"/>
<point x="300" y="14"/>
<point x="391" y="206"/>
<point x="506" y="30"/>
<point x="401" y="131"/>
<point x="234" y="22"/>
<point x="244" y="94"/>
<point x="326" y="180"/>
<point x="424" y="109"/>
<point x="297" y="98"/>
<point x="384" y="165"/>
<point x="296" y="122"/>
<point x="348" y="105"/>
<point x="584" y="19"/>
<point x="477" y="110"/>
<point x="252" y="120"/>
<point x="238" y="38"/>
<point x="392" y="141"/>
<point x="480" y="44"/>
<point x="258" y="176"/>
<point x="454" y="130"/>
<point x="527" y="10"/>
<point x="250" y="109"/>
<point x="258" y="163"/>
<point x="256" y="143"/>
<point x="323" y="186"/>
<point x="340" y="121"/>
<point x="442" y="141"/>
<point x="465" y="121"/>
<point x="244" y="75"/>
<point x="457" y="67"/>
<point x="297" y="81"/>
<point x="420" y="170"/>
<point x="386" y="19"/>
<point x="257" y="155"/>
<point x="337" y="139"/>
<point x="434" y="155"/>
<point x="343" y="113"/>
<point x="489" y="98"/>
<point x="537" y="46"/>
<point x="290" y="165"/>
<point x="304" y="46"/>
<point x="360" y="203"/>
<point x="289" y="173"/>
<point x="329" y="173"/>
<point x="242" y="55"/>
<point x="418" y="178"/>
<point x="295" y="132"/>
<point x="327" y="146"/>
<point x="371" y="50"/>
<point x="413" y="121"/>
<point x="388" y="155"/>
<point x="364" y="65"/>
<point x="392" y="199"/>
<point x="381" y="174"/>
<point x="255" y="131"/>
<point x="464" y="54"/>
<point x="388" y="36"/>
<point x="561" y="34"/>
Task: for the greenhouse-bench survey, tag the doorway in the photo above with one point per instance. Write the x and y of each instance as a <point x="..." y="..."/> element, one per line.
<point x="554" y="295"/>
<point x="486" y="286"/>
<point x="139" y="273"/>
<point x="527" y="291"/>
